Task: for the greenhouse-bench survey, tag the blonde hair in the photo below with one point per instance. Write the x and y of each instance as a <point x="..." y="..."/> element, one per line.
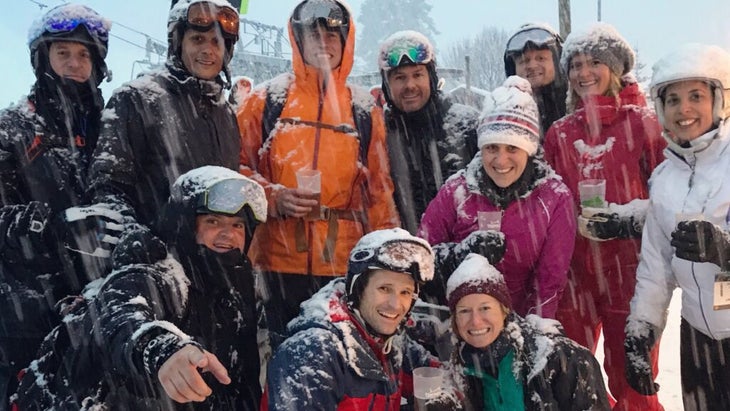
<point x="615" y="85"/>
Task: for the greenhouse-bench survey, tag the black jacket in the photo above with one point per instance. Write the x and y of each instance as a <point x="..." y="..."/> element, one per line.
<point x="425" y="148"/>
<point x="156" y="128"/>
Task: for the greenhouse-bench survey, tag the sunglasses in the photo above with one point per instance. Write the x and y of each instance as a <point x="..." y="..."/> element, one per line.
<point x="202" y="16"/>
<point x="415" y="54"/>
<point x="231" y="195"/>
<point x="538" y="36"/>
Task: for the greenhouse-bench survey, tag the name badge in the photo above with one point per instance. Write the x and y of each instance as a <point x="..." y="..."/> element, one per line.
<point x="721" y="300"/>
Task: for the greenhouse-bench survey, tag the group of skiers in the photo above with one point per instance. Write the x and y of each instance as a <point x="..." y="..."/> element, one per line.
<point x="138" y="236"/>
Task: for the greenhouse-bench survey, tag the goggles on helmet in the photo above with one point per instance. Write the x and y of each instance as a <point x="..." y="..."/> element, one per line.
<point x="61" y="23"/>
<point x="231" y="195"/>
<point x="327" y="13"/>
<point x="402" y="256"/>
<point x="202" y="16"/>
<point x="536" y="35"/>
<point x="414" y="54"/>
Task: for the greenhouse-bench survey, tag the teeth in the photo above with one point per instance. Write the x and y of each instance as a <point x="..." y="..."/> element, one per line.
<point x="587" y="84"/>
<point x="686" y="122"/>
<point x="388" y="315"/>
<point x="479" y="332"/>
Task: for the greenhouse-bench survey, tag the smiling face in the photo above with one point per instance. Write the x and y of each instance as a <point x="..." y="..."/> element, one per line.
<point x="220" y="233"/>
<point x="479" y="319"/>
<point x="410" y="87"/>
<point x="202" y="53"/>
<point x="688" y="109"/>
<point x="386" y="299"/>
<point x="70" y="60"/>
<point x="536" y="66"/>
<point x="588" y="76"/>
<point x="322" y="48"/>
<point x="503" y="163"/>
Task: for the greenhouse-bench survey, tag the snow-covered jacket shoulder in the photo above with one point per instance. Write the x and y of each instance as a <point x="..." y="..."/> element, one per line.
<point x="330" y="363"/>
<point x="156" y="128"/>
<point x="536" y="260"/>
<point x="556" y="372"/>
<point x="316" y="129"/>
<point x="691" y="182"/>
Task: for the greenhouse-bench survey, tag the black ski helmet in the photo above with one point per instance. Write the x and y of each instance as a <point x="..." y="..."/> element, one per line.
<point x="70" y="22"/>
<point x="310" y="14"/>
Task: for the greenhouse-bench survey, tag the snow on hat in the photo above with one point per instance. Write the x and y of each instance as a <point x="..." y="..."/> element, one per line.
<point x="476" y="276"/>
<point x="510" y="116"/>
<point x="603" y="42"/>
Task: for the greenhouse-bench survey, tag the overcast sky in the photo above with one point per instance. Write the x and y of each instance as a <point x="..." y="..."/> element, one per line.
<point x="653" y="26"/>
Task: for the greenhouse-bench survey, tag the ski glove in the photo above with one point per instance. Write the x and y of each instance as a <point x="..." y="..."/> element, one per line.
<point x="640" y="339"/>
<point x="93" y="230"/>
<point x="27" y="238"/>
<point x="605" y="226"/>
<point x="702" y="242"/>
<point x="489" y="243"/>
<point x="138" y="246"/>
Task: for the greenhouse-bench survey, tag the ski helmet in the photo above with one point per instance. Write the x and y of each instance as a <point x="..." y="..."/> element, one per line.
<point x="70" y="22"/>
<point x="407" y="48"/>
<point x="693" y="61"/>
<point x="391" y="249"/>
<point x="329" y="14"/>
<point x="202" y="15"/>
<point x="532" y="36"/>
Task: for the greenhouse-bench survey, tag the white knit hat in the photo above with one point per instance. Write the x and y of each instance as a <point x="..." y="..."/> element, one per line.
<point x="510" y="116"/>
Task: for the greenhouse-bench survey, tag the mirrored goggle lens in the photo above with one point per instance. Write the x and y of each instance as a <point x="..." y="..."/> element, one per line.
<point x="400" y="256"/>
<point x="540" y="37"/>
<point x="415" y="54"/>
<point x="328" y="13"/>
<point x="95" y="28"/>
<point x="230" y="196"/>
<point x="204" y="14"/>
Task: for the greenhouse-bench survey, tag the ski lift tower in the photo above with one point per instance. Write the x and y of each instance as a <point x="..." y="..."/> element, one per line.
<point x="260" y="51"/>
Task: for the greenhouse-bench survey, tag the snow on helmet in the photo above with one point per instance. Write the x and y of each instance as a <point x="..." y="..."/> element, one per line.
<point x="406" y="47"/>
<point x="202" y="15"/>
<point x="391" y="249"/>
<point x="694" y="62"/>
<point x="329" y="14"/>
<point x="70" y="22"/>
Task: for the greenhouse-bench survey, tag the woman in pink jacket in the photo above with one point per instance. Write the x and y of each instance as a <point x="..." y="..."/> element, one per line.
<point x="609" y="135"/>
<point x="507" y="175"/>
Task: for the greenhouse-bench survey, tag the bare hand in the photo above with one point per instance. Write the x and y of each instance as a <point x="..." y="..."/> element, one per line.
<point x="295" y="202"/>
<point x="181" y="379"/>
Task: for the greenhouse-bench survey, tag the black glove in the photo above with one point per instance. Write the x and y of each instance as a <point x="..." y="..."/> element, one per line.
<point x="138" y="246"/>
<point x="604" y="226"/>
<point x="489" y="243"/>
<point x="93" y="230"/>
<point x="27" y="238"/>
<point x="703" y="242"/>
<point x="640" y="339"/>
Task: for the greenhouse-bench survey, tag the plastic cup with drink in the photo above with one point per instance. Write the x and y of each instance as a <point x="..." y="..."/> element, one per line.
<point x="311" y="180"/>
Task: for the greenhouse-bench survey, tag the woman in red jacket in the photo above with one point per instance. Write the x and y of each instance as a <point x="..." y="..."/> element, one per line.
<point x="609" y="135"/>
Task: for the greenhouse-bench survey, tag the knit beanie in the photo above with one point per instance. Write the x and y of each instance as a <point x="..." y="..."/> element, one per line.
<point x="510" y="116"/>
<point x="603" y="42"/>
<point x="476" y="276"/>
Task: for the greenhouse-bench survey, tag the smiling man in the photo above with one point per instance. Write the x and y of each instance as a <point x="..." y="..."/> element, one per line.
<point x="429" y="136"/>
<point x="172" y="120"/>
<point x="347" y="350"/>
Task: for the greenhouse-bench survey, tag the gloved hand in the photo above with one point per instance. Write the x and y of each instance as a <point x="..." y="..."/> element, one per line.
<point x="138" y="246"/>
<point x="608" y="226"/>
<point x="640" y="339"/>
<point x="26" y="236"/>
<point x="703" y="242"/>
<point x="489" y="243"/>
<point x="92" y="230"/>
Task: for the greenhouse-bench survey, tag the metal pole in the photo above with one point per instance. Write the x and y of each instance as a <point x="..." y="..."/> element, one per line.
<point x="467" y="65"/>
<point x="599" y="10"/>
<point x="564" y="16"/>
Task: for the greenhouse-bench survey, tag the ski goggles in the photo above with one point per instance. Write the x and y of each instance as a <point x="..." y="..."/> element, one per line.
<point x="327" y="13"/>
<point x="202" y="16"/>
<point x="415" y="54"/>
<point x="402" y="256"/>
<point x="536" y="35"/>
<point x="61" y="23"/>
<point x="231" y="195"/>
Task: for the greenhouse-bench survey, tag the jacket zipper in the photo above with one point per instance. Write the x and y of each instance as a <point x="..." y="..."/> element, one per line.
<point x="315" y="160"/>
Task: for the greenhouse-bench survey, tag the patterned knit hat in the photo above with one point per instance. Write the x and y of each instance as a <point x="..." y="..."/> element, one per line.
<point x="510" y="116"/>
<point x="476" y="276"/>
<point x="603" y="42"/>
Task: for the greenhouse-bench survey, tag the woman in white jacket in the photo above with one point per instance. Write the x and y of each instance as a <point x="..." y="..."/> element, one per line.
<point x="685" y="241"/>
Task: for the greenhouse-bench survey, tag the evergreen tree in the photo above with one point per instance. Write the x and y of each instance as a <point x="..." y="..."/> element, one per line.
<point x="378" y="19"/>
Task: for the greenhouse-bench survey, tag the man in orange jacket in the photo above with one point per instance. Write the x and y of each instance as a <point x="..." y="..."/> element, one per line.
<point x="321" y="125"/>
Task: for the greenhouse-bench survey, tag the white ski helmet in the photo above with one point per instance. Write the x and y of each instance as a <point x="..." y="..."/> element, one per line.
<point x="694" y="61"/>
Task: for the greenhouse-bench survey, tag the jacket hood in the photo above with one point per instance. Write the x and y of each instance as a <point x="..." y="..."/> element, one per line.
<point x="308" y="72"/>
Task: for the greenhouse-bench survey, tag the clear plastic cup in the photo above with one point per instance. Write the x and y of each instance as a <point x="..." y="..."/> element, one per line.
<point x="592" y="193"/>
<point x="489" y="220"/>
<point x="311" y="180"/>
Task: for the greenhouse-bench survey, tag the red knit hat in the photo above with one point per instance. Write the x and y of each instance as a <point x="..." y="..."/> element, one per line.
<point x="476" y="276"/>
